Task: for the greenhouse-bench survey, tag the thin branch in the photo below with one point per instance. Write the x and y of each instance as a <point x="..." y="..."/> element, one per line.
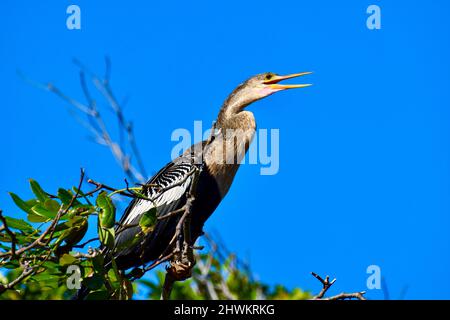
<point x="96" y="124"/>
<point x="51" y="228"/>
<point x="61" y="212"/>
<point x="172" y="213"/>
<point x="204" y="271"/>
<point x="103" y="86"/>
<point x="80" y="246"/>
<point x="25" y="273"/>
<point x="169" y="281"/>
<point x="326" y="284"/>
<point x="11" y="234"/>
<point x="89" y="255"/>
<point x="343" y="296"/>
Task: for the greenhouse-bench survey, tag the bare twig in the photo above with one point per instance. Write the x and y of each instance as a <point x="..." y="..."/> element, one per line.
<point x="104" y="87"/>
<point x="96" y="124"/>
<point x="343" y="296"/>
<point x="326" y="284"/>
<point x="203" y="278"/>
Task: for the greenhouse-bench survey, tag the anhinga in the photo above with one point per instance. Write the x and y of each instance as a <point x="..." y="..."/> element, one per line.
<point x="170" y="186"/>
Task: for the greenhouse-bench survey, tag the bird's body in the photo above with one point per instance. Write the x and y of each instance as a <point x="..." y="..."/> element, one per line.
<point x="215" y="180"/>
<point x="157" y="241"/>
<point x="219" y="158"/>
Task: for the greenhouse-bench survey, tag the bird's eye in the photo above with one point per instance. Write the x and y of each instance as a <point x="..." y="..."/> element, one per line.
<point x="269" y="76"/>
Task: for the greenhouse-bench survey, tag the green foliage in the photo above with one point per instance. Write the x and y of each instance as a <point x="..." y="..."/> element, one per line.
<point x="148" y="220"/>
<point x="107" y="210"/>
<point x="36" y="252"/>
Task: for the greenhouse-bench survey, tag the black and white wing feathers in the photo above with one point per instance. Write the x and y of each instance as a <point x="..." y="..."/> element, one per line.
<point x="167" y="189"/>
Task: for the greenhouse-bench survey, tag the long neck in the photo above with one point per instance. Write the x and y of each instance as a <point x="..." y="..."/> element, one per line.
<point x="236" y="129"/>
<point x="232" y="106"/>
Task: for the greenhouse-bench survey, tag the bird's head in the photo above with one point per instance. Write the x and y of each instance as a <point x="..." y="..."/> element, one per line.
<point x="261" y="86"/>
<point x="265" y="84"/>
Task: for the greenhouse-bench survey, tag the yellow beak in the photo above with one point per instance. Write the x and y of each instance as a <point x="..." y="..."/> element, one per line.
<point x="273" y="83"/>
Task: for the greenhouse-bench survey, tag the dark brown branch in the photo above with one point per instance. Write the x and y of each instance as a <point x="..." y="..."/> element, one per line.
<point x="126" y="192"/>
<point x="79" y="246"/>
<point x="158" y="262"/>
<point x="122" y="228"/>
<point x="172" y="213"/>
<point x="11" y="234"/>
<point x="100" y="186"/>
<point x="169" y="281"/>
<point x="137" y="273"/>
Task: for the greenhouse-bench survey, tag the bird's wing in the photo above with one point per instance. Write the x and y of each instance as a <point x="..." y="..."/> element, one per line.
<point x="173" y="183"/>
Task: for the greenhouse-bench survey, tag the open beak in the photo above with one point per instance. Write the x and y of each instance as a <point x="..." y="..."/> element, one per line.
<point x="273" y="83"/>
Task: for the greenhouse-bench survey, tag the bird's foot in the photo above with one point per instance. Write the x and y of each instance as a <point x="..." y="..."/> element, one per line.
<point x="180" y="270"/>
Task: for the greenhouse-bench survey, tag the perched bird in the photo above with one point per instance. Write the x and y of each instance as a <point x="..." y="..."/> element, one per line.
<point x="219" y="157"/>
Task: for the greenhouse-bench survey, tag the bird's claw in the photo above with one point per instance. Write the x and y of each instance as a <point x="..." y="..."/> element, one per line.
<point x="180" y="270"/>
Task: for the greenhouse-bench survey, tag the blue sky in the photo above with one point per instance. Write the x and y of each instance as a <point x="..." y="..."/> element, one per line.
<point x="364" y="153"/>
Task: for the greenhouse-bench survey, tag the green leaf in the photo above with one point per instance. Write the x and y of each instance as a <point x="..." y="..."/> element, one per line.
<point x="51" y="267"/>
<point x="4" y="237"/>
<point x="106" y="236"/>
<point x="82" y="210"/>
<point x="18" y="224"/>
<point x="40" y="210"/>
<point x="66" y="197"/>
<point x="148" y="220"/>
<point x="107" y="215"/>
<point x="52" y="205"/>
<point x="20" y="203"/>
<point x="67" y="260"/>
<point x="11" y="265"/>
<point x="32" y="217"/>
<point x="46" y="277"/>
<point x="77" y="232"/>
<point x="38" y="191"/>
<point x="113" y="280"/>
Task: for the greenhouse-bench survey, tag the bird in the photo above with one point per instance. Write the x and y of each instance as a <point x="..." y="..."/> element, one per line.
<point x="219" y="158"/>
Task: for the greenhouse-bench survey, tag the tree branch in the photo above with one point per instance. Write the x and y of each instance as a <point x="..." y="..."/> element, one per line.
<point x="10" y="233"/>
<point x="326" y="284"/>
